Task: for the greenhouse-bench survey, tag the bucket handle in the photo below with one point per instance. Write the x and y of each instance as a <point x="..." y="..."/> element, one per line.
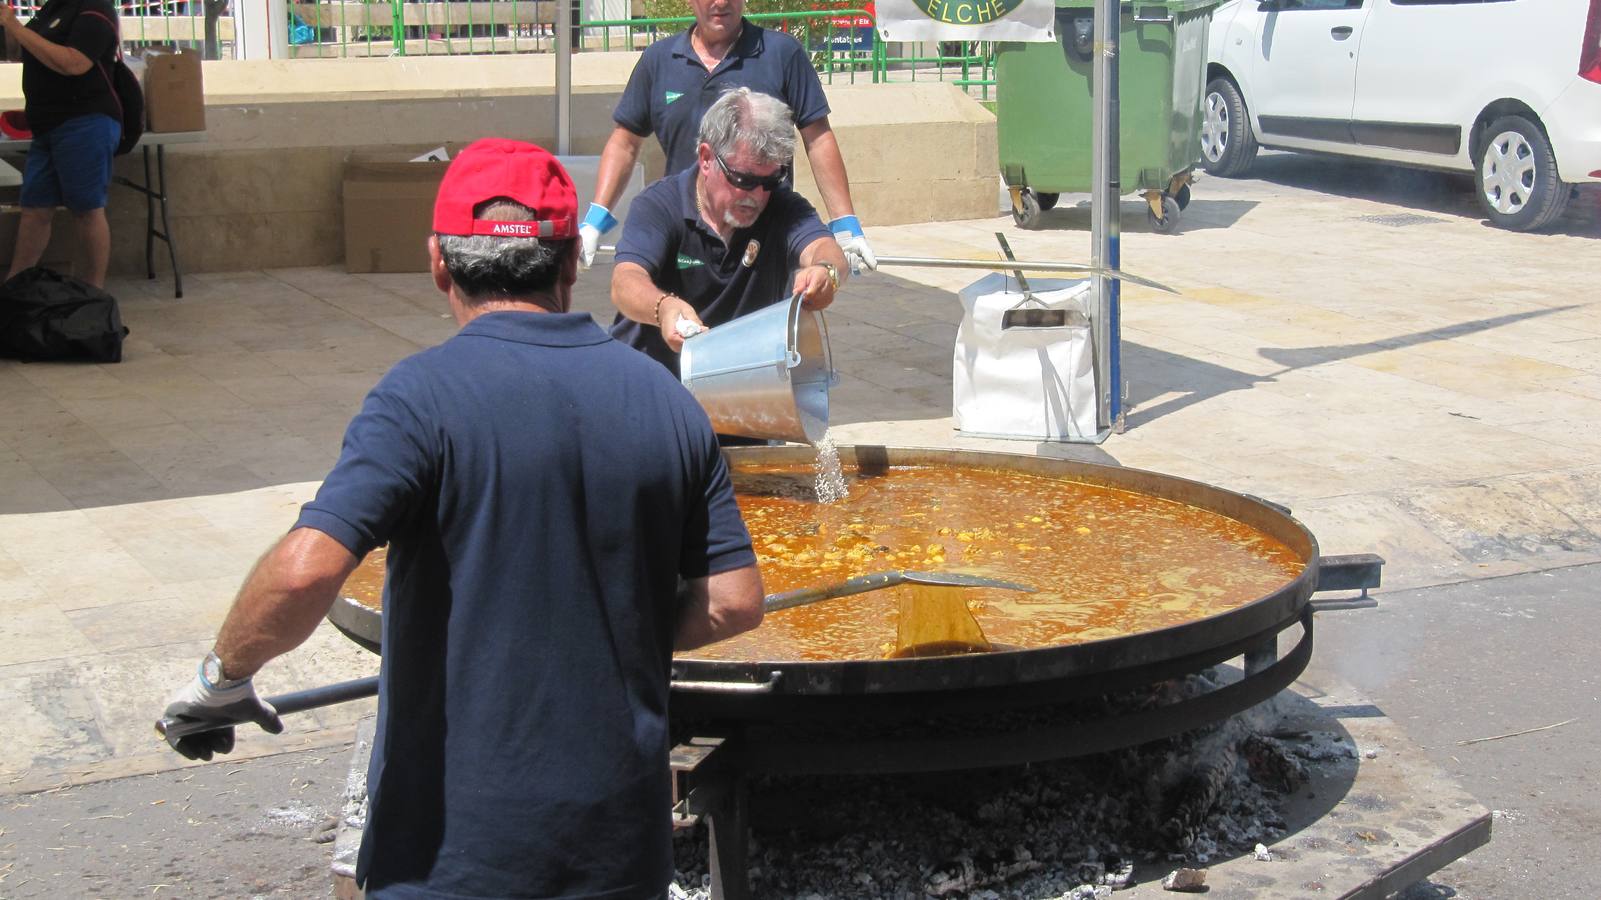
<point x="793" y="350"/>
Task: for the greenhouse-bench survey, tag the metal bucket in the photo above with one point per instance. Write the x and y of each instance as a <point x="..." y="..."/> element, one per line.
<point x="764" y="375"/>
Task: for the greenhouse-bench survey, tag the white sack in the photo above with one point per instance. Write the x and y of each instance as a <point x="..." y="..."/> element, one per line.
<point x="1030" y="383"/>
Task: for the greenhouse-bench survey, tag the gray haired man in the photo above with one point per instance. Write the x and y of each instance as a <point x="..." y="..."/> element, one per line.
<point x="724" y="237"/>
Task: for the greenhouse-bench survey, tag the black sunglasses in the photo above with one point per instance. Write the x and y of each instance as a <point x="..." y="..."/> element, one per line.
<point x="745" y="181"/>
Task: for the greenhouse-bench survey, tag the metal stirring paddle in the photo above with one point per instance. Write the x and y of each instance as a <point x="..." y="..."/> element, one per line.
<point x="356" y="689"/>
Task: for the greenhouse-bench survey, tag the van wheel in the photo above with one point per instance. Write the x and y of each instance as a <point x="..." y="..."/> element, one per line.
<point x="1227" y="145"/>
<point x="1518" y="184"/>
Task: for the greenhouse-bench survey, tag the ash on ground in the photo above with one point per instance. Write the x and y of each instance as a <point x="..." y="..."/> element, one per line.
<point x="1071" y="829"/>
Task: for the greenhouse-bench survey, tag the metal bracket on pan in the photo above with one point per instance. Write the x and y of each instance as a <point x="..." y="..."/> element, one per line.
<point x="1351" y="572"/>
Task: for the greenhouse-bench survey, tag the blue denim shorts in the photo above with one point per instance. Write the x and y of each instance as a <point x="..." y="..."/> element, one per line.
<point x="70" y="165"/>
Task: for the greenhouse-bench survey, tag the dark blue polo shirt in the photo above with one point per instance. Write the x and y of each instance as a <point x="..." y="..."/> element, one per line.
<point x="542" y="488"/>
<point x="665" y="235"/>
<point x="670" y="90"/>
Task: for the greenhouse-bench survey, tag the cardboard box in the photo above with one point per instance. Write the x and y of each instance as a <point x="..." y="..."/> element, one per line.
<point x="389" y="210"/>
<point x="175" y="99"/>
<point x="389" y="205"/>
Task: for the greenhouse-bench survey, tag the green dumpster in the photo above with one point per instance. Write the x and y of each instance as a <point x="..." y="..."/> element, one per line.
<point x="1043" y="107"/>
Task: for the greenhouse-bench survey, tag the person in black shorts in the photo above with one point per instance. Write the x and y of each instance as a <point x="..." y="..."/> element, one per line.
<point x="66" y="50"/>
<point x="542" y="489"/>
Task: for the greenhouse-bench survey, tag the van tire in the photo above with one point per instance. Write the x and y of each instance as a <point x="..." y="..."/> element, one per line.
<point x="1228" y="145"/>
<point x="1518" y="185"/>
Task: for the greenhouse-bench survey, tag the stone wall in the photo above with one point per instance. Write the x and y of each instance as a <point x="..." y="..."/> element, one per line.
<point x="264" y="190"/>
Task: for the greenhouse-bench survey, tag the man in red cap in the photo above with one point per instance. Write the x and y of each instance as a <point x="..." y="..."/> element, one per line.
<point x="542" y="489"/>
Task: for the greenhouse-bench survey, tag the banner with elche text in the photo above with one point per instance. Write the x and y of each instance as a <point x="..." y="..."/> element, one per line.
<point x="967" y="20"/>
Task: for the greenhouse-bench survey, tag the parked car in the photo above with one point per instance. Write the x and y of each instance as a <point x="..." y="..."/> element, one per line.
<point x="1507" y="89"/>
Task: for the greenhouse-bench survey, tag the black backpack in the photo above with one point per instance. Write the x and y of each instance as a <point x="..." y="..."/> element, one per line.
<point x="45" y="315"/>
<point x="125" y="88"/>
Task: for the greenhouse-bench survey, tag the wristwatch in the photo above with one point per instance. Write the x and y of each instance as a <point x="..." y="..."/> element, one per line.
<point x="833" y="274"/>
<point x="211" y="671"/>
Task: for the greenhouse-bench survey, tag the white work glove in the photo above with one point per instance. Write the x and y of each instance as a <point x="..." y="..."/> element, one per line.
<point x="597" y="222"/>
<point x="198" y="703"/>
<point x="848" y="232"/>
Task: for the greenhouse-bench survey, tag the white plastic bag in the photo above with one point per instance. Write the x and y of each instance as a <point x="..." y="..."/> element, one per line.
<point x="1024" y="382"/>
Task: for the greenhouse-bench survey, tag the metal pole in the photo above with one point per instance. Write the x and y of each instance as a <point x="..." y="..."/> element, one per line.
<point x="1104" y="223"/>
<point x="564" y="77"/>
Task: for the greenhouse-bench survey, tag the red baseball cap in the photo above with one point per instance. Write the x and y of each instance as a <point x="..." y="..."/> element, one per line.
<point x="498" y="167"/>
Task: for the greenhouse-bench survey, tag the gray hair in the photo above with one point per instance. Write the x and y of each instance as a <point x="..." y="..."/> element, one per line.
<point x="488" y="268"/>
<point x="762" y="124"/>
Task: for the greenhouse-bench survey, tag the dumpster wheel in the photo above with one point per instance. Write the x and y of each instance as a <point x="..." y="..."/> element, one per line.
<point x="1026" y="208"/>
<point x="1162" y="211"/>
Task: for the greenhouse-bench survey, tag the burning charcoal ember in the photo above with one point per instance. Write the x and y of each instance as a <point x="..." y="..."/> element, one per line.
<point x="1272" y="764"/>
<point x="1193" y="800"/>
<point x="1185" y="880"/>
<point x="1119" y="876"/>
<point x="1082" y="829"/>
<point x="966" y="874"/>
<point x="1263" y="854"/>
<point x="1321" y="746"/>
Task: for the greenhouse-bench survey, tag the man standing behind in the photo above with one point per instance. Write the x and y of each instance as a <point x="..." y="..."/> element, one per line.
<point x="724" y="237"/>
<point x="676" y="81"/>
<point x="542" y="489"/>
<point x="76" y="122"/>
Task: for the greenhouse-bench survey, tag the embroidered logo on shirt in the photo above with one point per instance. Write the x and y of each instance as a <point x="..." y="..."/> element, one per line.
<point x="751" y="249"/>
<point x="689" y="262"/>
<point x="674" y="95"/>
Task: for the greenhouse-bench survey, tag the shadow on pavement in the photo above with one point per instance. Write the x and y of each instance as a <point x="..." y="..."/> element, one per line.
<point x="1424" y="190"/>
<point x="1200" y="215"/>
<point x="1204" y="380"/>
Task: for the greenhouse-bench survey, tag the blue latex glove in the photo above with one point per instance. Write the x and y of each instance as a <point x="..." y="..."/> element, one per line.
<point x="848" y="231"/>
<point x="597" y="222"/>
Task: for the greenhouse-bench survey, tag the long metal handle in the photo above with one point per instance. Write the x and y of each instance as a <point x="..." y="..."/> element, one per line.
<point x="293" y="702"/>
<point x="1002" y="265"/>
<point x="861" y="584"/>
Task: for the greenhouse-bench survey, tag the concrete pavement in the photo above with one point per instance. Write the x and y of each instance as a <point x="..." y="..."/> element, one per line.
<point x="1351" y="341"/>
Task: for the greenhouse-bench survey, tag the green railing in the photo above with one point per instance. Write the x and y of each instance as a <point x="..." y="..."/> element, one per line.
<point x="837" y="49"/>
<point x="843" y="43"/>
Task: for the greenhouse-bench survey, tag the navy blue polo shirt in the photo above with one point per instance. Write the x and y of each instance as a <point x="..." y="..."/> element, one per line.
<point x="542" y="488"/>
<point x="755" y="269"/>
<point x="670" y="90"/>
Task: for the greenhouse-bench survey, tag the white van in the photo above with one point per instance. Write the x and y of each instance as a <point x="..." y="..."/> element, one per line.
<point x="1508" y="89"/>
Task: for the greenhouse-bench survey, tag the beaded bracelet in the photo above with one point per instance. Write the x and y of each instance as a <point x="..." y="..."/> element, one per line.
<point x="658" y="312"/>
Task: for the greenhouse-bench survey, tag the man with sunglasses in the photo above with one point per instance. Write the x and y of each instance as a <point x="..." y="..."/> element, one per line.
<point x="676" y="81"/>
<point x="724" y="237"/>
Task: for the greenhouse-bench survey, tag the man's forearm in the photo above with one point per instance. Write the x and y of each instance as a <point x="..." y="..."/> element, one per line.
<point x="826" y="250"/>
<point x="284" y="598"/>
<point x="720" y="607"/>
<point x="634" y="294"/>
<point x="58" y="58"/>
<point x="828" y="168"/>
<point x="617" y="160"/>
